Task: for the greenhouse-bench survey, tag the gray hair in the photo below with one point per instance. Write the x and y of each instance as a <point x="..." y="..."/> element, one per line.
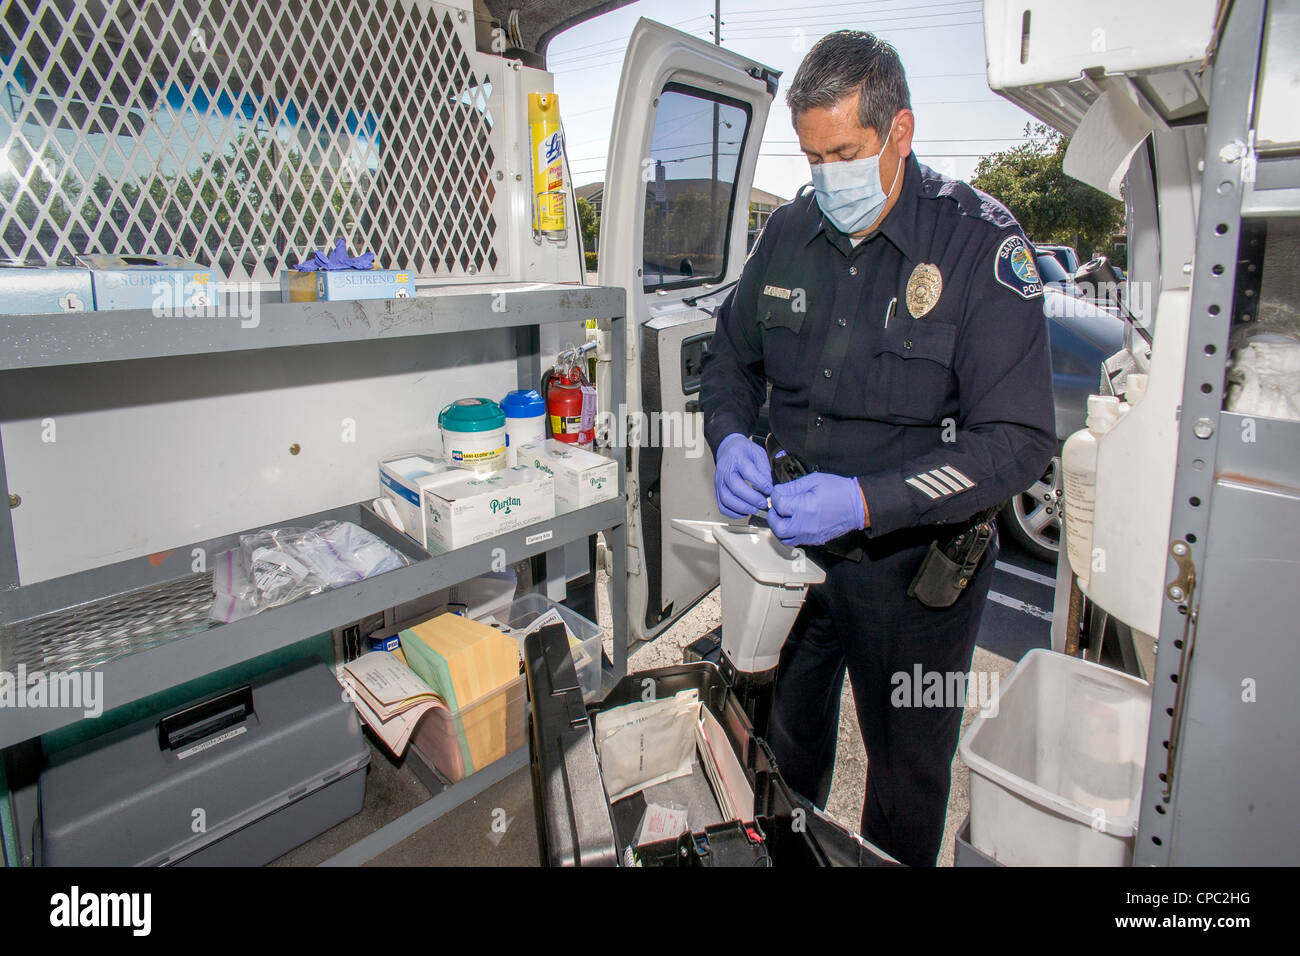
<point x="847" y="62"/>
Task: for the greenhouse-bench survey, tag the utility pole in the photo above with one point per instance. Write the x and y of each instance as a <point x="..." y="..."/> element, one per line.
<point x="713" y="183"/>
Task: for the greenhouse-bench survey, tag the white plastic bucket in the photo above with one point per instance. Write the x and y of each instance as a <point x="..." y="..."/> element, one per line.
<point x="1056" y="766"/>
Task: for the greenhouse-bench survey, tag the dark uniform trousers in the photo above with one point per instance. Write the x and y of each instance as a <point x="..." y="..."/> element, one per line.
<point x="861" y="620"/>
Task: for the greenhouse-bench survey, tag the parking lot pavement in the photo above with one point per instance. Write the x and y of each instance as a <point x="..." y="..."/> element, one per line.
<point x="1017" y="618"/>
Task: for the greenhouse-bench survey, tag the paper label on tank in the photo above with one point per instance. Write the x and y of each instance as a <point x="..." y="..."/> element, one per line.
<point x="209" y="744"/>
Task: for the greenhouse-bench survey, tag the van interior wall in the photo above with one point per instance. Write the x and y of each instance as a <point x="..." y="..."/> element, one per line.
<point x="118" y="460"/>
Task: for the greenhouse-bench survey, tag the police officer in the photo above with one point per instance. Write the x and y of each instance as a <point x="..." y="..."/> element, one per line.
<point x="897" y="316"/>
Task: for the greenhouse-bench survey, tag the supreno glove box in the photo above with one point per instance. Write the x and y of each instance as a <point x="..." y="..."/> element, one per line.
<point x="233" y="780"/>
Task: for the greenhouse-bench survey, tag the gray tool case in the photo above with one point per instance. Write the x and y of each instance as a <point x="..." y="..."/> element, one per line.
<point x="233" y="780"/>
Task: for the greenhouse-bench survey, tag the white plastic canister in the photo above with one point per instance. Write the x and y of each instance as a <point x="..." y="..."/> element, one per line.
<point x="474" y="434"/>
<point x="525" y="412"/>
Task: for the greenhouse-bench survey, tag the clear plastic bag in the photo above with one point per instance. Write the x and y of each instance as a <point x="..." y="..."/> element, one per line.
<point x="278" y="565"/>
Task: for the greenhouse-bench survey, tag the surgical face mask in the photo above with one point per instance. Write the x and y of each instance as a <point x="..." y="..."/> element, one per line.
<point x="850" y="193"/>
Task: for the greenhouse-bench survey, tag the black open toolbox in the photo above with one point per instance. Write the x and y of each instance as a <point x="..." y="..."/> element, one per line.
<point x="578" y="826"/>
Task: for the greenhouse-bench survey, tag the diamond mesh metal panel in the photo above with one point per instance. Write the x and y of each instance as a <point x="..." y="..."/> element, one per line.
<point x="244" y="134"/>
<point x="90" y="635"/>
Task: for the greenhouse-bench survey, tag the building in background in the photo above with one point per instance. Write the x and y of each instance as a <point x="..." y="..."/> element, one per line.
<point x="761" y="203"/>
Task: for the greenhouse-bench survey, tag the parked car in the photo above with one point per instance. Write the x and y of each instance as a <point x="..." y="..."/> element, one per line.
<point x="1054" y="274"/>
<point x="1065" y="255"/>
<point x="1082" y="337"/>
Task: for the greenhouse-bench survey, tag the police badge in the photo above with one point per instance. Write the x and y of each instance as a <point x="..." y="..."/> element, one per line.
<point x="923" y="289"/>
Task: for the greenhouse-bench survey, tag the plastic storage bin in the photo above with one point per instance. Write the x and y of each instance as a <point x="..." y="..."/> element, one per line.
<point x="1056" y="768"/>
<point x="488" y="595"/>
<point x="459" y="742"/>
<point x="586" y="654"/>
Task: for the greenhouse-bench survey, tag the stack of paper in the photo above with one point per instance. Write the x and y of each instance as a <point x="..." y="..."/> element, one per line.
<point x="389" y="697"/>
<point x="727" y="777"/>
<point x="465" y="662"/>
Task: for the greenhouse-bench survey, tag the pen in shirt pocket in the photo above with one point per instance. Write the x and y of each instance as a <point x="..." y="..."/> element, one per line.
<point x="890" y="310"/>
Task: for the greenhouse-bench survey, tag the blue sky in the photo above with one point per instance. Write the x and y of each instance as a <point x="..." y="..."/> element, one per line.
<point x="941" y="42"/>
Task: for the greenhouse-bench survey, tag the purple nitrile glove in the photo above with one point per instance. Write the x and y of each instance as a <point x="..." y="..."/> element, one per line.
<point x="815" y="509"/>
<point x="337" y="260"/>
<point x="743" y="479"/>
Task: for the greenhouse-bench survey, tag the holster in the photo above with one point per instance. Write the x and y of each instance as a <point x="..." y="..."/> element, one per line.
<point x="951" y="563"/>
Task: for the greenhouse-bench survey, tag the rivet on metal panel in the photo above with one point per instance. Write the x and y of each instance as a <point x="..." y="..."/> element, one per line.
<point x="460" y="15"/>
<point x="500" y="175"/>
<point x="1232" y="152"/>
<point x="1181" y="587"/>
<point x="1203" y="428"/>
<point x="295" y="448"/>
<point x="14" y="500"/>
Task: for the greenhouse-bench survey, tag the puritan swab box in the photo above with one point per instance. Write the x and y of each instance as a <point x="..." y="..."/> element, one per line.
<point x="463" y="511"/>
<point x="403" y="476"/>
<point x="582" y="477"/>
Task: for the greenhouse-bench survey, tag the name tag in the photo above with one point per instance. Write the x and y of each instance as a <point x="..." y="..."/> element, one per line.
<point x="776" y="290"/>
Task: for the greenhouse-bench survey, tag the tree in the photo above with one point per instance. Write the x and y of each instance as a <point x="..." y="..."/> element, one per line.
<point x="1050" y="206"/>
<point x="588" y="224"/>
<point x="689" y="222"/>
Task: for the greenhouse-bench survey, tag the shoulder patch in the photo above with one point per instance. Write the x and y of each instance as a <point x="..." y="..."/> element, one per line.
<point x="1014" y="267"/>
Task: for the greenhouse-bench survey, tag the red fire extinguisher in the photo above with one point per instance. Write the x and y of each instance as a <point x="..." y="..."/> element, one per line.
<point x="570" y="401"/>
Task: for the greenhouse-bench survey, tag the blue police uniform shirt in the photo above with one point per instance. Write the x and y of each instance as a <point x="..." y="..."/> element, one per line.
<point x="940" y="414"/>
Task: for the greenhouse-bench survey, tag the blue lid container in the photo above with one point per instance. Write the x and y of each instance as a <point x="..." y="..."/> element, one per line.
<point x="523" y="403"/>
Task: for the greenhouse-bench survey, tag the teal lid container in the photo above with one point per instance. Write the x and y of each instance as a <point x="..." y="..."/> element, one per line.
<point x="472" y="415"/>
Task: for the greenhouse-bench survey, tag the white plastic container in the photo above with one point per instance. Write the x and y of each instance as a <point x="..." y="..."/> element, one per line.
<point x="763" y="586"/>
<point x="1079" y="468"/>
<point x="586" y="651"/>
<point x="1056" y="765"/>
<point x="525" y="412"/>
<point x="474" y="435"/>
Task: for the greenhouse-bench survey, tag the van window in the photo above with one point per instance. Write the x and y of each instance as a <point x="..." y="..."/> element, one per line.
<point x="690" y="186"/>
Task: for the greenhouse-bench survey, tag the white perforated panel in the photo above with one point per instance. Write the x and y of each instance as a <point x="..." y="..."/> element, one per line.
<point x="246" y="133"/>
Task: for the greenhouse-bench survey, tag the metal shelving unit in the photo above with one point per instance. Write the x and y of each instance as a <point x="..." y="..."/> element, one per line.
<point x="33" y="616"/>
<point x="1218" y="787"/>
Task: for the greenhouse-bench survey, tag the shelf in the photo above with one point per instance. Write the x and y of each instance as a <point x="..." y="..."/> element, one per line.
<point x="184" y="657"/>
<point x="45" y="341"/>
